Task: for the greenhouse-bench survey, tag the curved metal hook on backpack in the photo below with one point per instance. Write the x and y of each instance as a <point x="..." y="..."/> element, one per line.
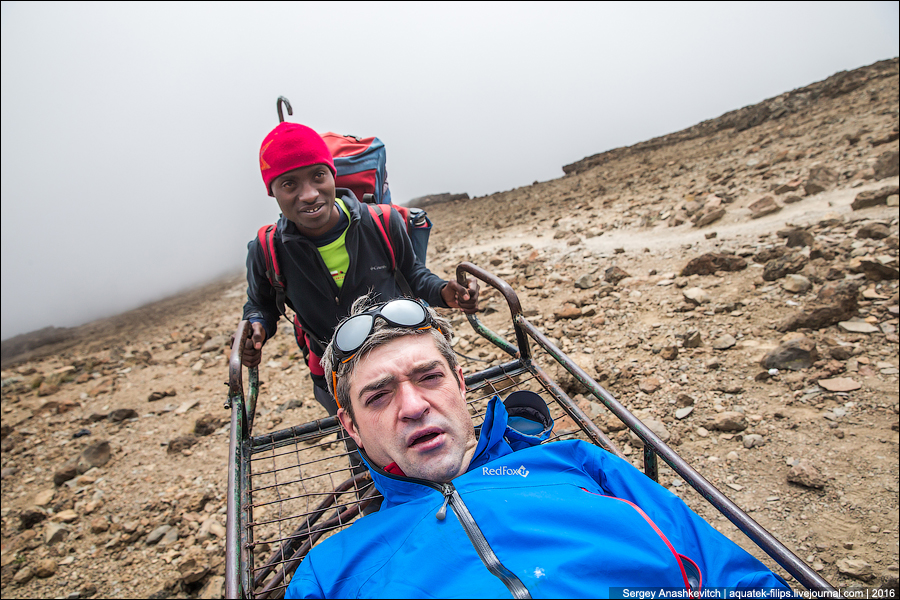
<point x="282" y="99"/>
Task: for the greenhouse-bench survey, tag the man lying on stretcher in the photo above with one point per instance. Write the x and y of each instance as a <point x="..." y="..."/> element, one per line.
<point x="500" y="514"/>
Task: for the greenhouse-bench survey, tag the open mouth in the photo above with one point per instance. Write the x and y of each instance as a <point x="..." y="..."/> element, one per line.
<point x="312" y="211"/>
<point x="424" y="439"/>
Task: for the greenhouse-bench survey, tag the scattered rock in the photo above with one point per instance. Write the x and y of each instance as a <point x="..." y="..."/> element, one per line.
<point x="873" y="231"/>
<point x="871" y="198"/>
<point x="194" y="566"/>
<point x="121" y="414"/>
<point x="650" y="384"/>
<point x="708" y="217"/>
<point x="46" y="567"/>
<point x="779" y="267"/>
<point x="753" y="440"/>
<point x="47" y="389"/>
<point x="213" y="588"/>
<point x="793" y="355"/>
<point x="683" y="412"/>
<point x="55" y="533"/>
<point x="764" y="206"/>
<point x="835" y="302"/>
<point x="820" y="179"/>
<point x="669" y="353"/>
<point x="806" y="474"/>
<point x="692" y="339"/>
<point x="797" y="238"/>
<point x="796" y="284"/>
<point x="585" y="282"/>
<point x="30" y="517"/>
<point x="709" y="264"/>
<point x="23" y="576"/>
<point x="65" y="474"/>
<point x="724" y="342"/>
<point x="614" y="275"/>
<point x="44" y="497"/>
<point x="696" y="296"/>
<point x="181" y="443"/>
<point x="856" y="568"/>
<point x="157" y="534"/>
<point x="95" y="455"/>
<point x="728" y="421"/>
<point x="207" y="424"/>
<point x="858" y="327"/>
<point x="568" y="311"/>
<point x="887" y="165"/>
<point x="840" y="384"/>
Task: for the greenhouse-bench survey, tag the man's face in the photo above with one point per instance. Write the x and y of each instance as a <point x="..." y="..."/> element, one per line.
<point x="411" y="410"/>
<point x="306" y="197"/>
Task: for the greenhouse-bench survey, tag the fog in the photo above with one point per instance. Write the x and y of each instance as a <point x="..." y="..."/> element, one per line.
<point x="130" y="131"/>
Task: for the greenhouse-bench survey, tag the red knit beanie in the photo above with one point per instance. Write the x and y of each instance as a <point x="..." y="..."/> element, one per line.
<point x="291" y="146"/>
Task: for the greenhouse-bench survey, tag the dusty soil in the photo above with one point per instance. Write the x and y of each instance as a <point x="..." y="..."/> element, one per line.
<point x="811" y="453"/>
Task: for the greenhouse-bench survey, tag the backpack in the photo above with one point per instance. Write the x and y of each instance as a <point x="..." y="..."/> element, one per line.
<point x="361" y="165"/>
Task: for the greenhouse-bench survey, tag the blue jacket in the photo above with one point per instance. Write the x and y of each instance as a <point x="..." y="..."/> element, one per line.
<point x="564" y="519"/>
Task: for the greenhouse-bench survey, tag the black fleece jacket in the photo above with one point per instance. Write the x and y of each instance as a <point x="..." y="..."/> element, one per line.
<point x="311" y="291"/>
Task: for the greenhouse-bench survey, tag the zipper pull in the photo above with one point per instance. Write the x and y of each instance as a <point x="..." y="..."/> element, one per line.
<point x="442" y="512"/>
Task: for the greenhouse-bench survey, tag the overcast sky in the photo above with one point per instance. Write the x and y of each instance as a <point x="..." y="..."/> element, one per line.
<point x="131" y="130"/>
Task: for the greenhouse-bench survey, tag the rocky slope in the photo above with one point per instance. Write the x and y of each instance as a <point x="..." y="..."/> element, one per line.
<point x="735" y="285"/>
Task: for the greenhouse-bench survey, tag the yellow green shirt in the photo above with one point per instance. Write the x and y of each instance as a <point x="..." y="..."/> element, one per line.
<point x="335" y="254"/>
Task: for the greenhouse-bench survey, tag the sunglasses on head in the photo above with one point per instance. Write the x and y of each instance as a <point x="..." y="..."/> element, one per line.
<point x="351" y="334"/>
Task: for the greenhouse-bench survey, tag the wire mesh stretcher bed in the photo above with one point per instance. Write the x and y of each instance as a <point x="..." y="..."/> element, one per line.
<point x="290" y="489"/>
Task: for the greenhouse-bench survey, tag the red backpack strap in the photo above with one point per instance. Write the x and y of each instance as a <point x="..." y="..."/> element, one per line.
<point x="382" y="221"/>
<point x="266" y="237"/>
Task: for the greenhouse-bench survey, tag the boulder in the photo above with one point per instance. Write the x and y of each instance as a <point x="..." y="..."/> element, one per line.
<point x="122" y="414"/>
<point x="887" y="165"/>
<point x="779" y="267"/>
<point x="95" y="455"/>
<point x="710" y="216"/>
<point x="820" y="179"/>
<point x="614" y="275"/>
<point x="874" y="197"/>
<point x="181" y="443"/>
<point x="796" y="284"/>
<point x="708" y="264"/>
<point x="835" y="302"/>
<point x="793" y="355"/>
<point x="806" y="474"/>
<point x="728" y="421"/>
<point x="873" y="231"/>
<point x="764" y="206"/>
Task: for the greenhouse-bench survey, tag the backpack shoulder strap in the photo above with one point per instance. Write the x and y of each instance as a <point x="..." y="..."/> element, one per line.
<point x="266" y="237"/>
<point x="382" y="222"/>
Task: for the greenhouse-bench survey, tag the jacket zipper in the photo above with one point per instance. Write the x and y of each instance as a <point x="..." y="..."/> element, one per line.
<point x="480" y="543"/>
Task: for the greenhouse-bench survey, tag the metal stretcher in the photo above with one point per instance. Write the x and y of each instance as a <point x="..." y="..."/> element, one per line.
<point x="290" y="489"/>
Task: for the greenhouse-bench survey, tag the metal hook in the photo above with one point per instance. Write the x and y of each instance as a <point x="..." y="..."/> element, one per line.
<point x="278" y="106"/>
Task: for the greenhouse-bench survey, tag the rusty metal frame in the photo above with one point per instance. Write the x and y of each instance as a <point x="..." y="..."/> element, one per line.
<point x="244" y="579"/>
<point x="653" y="445"/>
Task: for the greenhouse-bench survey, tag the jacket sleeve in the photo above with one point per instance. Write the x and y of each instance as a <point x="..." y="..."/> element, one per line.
<point x="722" y="563"/>
<point x="304" y="583"/>
<point x="260" y="306"/>
<point x="424" y="283"/>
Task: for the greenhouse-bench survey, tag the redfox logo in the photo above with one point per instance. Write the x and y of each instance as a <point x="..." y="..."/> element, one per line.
<point x="504" y="470"/>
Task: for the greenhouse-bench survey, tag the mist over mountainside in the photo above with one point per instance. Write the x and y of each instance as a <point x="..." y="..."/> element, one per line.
<point x="739" y="120"/>
<point x="734" y="284"/>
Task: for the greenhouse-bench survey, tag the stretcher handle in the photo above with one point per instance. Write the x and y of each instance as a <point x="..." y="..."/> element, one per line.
<point x="523" y="351"/>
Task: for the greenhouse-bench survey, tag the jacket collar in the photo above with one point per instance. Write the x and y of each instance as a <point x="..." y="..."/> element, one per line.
<point x="289" y="232"/>
<point x="491" y="445"/>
